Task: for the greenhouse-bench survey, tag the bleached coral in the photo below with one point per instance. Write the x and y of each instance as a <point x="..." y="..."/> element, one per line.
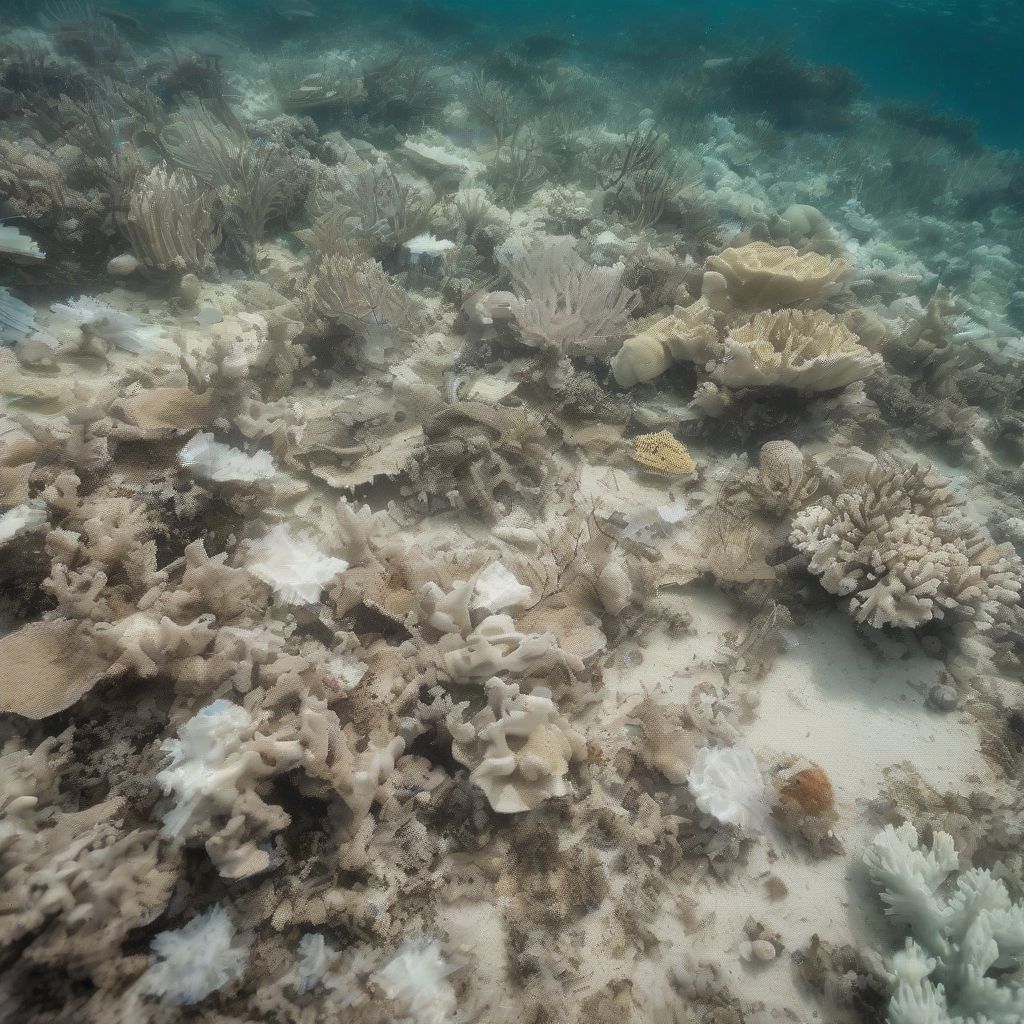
<point x="113" y="326"/>
<point x="895" y="542"/>
<point x="19" y="519"/>
<point x="690" y="334"/>
<point x="562" y="303"/>
<point x="192" y="962"/>
<point x="212" y="460"/>
<point x="294" y="567"/>
<point x="727" y="783"/>
<point x="518" y="746"/>
<point x="958" y="937"/>
<point x="18" y="322"/>
<point x="416" y="976"/>
<point x="497" y="590"/>
<point x="805" y="350"/>
<point x="16" y="243"/>
<point x="764" y="276"/>
<point x="312" y="962"/>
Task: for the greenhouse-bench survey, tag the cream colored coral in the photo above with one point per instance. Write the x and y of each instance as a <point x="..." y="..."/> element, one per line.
<point x="895" y="543"/>
<point x="519" y="747"/>
<point x="805" y="350"/>
<point x="784" y="479"/>
<point x="690" y="334"/>
<point x="762" y="275"/>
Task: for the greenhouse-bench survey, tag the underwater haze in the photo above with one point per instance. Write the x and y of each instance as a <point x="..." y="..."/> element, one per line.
<point x="511" y="514"/>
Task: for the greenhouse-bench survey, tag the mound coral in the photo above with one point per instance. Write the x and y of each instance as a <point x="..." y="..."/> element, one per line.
<point x="662" y="453"/>
<point x="895" y="542"/>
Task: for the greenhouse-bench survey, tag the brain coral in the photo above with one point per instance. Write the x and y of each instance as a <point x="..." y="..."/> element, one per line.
<point x="806" y="350"/>
<point x="763" y="276"/>
<point x="896" y="544"/>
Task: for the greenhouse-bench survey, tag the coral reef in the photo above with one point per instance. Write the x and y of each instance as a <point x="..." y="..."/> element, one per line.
<point x="442" y="571"/>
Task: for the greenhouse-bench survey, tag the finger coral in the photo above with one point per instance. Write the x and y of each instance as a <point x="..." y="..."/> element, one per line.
<point x="896" y="544"/>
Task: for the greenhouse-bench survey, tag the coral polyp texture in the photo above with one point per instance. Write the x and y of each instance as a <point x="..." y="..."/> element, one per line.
<point x="495" y="518"/>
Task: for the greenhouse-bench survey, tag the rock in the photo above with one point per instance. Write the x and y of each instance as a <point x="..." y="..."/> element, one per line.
<point x="943" y="697"/>
<point x="123" y="265"/>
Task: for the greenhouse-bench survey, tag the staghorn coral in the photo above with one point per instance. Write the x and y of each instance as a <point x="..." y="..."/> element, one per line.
<point x="895" y="542"/>
<point x="76" y="882"/>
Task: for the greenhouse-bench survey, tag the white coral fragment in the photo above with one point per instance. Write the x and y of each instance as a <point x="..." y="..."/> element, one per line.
<point x="189" y="964"/>
<point x="727" y="784"/>
<point x="114" y="326"/>
<point x="294" y="567"/>
<point x="417" y="977"/>
<point x="19" y="519"/>
<point x="16" y="243"/>
<point x="204" y="761"/>
<point x="212" y="460"/>
<point x="18" y="322"/>
<point x="314" y="959"/>
<point x="497" y="590"/>
<point x="427" y="247"/>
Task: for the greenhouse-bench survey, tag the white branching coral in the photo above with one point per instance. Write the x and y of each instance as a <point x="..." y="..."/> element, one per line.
<point x="808" y="350"/>
<point x="417" y="977"/>
<point x="958" y="938"/>
<point x="216" y="760"/>
<point x="895" y="542"/>
<point x="519" y="746"/>
<point x="727" y="783"/>
<point x="562" y="302"/>
<point x="212" y="460"/>
<point x="190" y="963"/>
<point x="293" y="566"/>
